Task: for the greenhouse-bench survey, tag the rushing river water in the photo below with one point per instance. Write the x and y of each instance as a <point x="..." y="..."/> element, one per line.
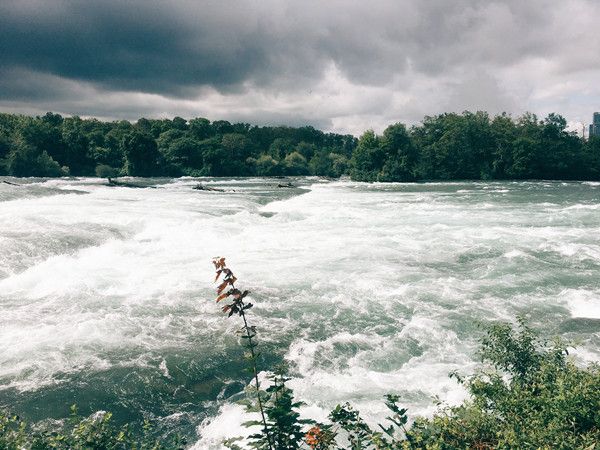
<point x="363" y="289"/>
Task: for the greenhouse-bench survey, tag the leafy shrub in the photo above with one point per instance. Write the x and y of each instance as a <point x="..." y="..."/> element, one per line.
<point x="533" y="397"/>
<point x="104" y="171"/>
<point x="97" y="432"/>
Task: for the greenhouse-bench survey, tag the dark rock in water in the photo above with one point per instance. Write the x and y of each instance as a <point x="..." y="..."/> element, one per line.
<point x="126" y="184"/>
<point x="201" y="187"/>
<point x="287" y="185"/>
<point x="232" y="388"/>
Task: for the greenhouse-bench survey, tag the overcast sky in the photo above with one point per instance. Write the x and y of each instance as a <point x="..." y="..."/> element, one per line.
<point x="343" y="66"/>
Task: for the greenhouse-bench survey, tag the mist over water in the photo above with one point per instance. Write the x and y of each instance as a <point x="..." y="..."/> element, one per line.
<point x="363" y="289"/>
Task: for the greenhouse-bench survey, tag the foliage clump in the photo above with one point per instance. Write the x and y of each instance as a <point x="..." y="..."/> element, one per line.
<point x="97" y="432"/>
<point x="104" y="171"/>
<point x="528" y="396"/>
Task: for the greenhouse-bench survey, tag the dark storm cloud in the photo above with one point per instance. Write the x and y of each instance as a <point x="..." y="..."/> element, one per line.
<point x="166" y="47"/>
<point x="71" y="53"/>
<point x="125" y="45"/>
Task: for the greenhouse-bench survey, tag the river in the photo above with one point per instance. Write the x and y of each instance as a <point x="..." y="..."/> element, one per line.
<point x="107" y="293"/>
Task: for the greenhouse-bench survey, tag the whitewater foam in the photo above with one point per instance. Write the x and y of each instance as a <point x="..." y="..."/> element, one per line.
<point x="362" y="289"/>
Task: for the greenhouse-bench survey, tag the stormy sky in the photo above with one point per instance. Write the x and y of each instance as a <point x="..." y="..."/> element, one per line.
<point x="343" y="66"/>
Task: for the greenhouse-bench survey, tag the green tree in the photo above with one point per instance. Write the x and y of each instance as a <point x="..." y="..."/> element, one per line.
<point x="591" y="158"/>
<point x="295" y="164"/>
<point x="525" y="159"/>
<point x="368" y="158"/>
<point x="179" y="123"/>
<point x="141" y="154"/>
<point x="280" y="148"/>
<point x="44" y="134"/>
<point x="266" y="166"/>
<point x="200" y="128"/>
<point x="283" y="430"/>
<point x="214" y="157"/>
<point x="400" y="155"/>
<point x="307" y="150"/>
<point x="5" y="145"/>
<point x="222" y="127"/>
<point x="339" y="164"/>
<point x="237" y="146"/>
<point x="76" y="154"/>
<point x="534" y="398"/>
<point x="444" y="147"/>
<point x="562" y="151"/>
<point x="104" y="171"/>
<point x="184" y="153"/>
<point x="503" y="135"/>
<point x="27" y="160"/>
<point x="144" y="125"/>
<point x="454" y="146"/>
<point x="321" y="164"/>
<point x="97" y="432"/>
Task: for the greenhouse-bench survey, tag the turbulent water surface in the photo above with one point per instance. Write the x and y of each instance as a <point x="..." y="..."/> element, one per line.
<point x="107" y="294"/>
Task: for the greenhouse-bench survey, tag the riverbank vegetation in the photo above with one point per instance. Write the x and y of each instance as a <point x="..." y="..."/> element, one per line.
<point x="468" y="146"/>
<point x="97" y="432"/>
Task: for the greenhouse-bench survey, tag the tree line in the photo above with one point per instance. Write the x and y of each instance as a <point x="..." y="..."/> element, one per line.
<point x="52" y="145"/>
<point x="450" y="146"/>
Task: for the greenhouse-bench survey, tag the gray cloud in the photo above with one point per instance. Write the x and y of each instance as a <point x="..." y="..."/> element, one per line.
<point x="331" y="63"/>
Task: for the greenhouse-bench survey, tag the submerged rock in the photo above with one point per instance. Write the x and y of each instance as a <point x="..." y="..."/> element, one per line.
<point x="286" y="185"/>
<point x="115" y="183"/>
<point x="201" y="187"/>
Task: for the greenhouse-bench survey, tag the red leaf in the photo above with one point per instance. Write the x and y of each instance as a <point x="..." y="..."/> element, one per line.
<point x="222" y="286"/>
<point x="219" y="262"/>
<point x="223" y="295"/>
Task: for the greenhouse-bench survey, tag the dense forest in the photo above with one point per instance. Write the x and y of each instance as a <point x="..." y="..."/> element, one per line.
<point x="468" y="146"/>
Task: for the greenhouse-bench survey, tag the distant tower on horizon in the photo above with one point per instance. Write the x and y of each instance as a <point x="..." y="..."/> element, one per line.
<point x="595" y="125"/>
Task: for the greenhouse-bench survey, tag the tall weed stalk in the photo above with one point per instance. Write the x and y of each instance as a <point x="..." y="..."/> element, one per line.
<point x="226" y="291"/>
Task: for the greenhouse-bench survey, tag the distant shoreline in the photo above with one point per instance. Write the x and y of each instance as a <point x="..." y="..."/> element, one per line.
<point x="446" y="147"/>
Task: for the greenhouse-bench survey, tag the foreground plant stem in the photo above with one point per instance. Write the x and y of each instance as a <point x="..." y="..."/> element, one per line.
<point x="238" y="306"/>
<point x="251" y="346"/>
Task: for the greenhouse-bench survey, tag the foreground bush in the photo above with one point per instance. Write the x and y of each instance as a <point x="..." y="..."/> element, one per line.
<point x="97" y="432"/>
<point x="530" y="396"/>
